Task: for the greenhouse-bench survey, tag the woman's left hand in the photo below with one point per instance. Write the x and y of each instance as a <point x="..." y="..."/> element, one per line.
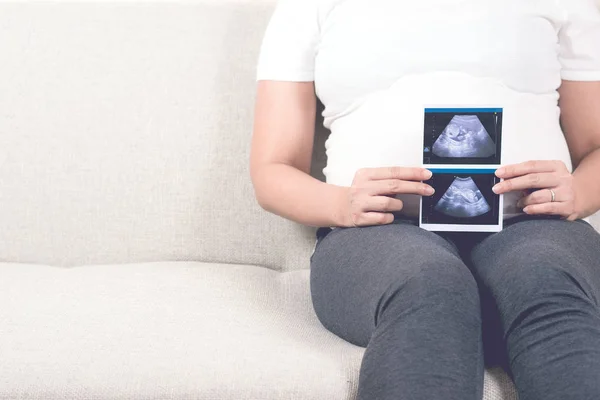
<point x="549" y="187"/>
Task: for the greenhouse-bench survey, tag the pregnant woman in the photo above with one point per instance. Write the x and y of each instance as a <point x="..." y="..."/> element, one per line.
<point x="433" y="309"/>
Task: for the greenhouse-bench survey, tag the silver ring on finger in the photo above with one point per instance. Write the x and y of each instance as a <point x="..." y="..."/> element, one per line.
<point x="553" y="199"/>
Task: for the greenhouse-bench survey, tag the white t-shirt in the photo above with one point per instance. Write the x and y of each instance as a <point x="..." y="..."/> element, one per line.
<point x="377" y="63"/>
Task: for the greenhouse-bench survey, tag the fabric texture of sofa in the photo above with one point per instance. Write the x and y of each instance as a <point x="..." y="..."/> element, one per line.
<point x="135" y="262"/>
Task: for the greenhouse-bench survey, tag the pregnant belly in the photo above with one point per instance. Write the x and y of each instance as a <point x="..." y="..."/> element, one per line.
<point x="386" y="129"/>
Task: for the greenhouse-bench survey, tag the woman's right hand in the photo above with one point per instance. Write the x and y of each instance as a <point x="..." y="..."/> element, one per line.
<point x="370" y="200"/>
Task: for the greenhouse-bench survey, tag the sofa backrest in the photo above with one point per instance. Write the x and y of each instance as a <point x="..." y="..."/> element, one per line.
<point x="124" y="135"/>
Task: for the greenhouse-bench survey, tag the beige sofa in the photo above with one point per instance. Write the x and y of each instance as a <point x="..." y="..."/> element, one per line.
<point x="134" y="260"/>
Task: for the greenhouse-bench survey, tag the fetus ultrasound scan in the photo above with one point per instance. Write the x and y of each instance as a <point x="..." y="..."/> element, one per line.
<point x="463" y="201"/>
<point x="462" y="136"/>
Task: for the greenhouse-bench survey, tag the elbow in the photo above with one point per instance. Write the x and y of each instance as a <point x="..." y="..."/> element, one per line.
<point x="259" y="192"/>
<point x="260" y="200"/>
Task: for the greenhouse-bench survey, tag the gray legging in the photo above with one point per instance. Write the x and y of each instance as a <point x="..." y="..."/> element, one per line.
<point x="426" y="305"/>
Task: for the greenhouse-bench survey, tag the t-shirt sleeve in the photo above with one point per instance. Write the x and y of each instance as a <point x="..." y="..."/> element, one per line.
<point x="579" y="41"/>
<point x="289" y="44"/>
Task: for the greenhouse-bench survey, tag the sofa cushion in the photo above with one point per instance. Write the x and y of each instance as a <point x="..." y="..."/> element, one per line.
<point x="172" y="330"/>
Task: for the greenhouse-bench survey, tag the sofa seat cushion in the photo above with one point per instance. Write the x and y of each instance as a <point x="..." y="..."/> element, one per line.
<point x="172" y="330"/>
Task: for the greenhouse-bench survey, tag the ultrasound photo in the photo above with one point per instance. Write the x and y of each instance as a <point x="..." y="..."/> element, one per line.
<point x="463" y="201"/>
<point x="462" y="136"/>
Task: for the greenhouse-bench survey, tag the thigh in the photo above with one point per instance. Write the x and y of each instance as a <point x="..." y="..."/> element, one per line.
<point x="533" y="255"/>
<point x="352" y="268"/>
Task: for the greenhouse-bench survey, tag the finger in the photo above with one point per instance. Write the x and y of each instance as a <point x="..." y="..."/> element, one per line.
<point x="538" y="197"/>
<point x="396" y="186"/>
<point x="530" y="181"/>
<point x="402" y="173"/>
<point x="556" y="208"/>
<point x="374" y="218"/>
<point x="528" y="167"/>
<point x="572" y="217"/>
<point x="383" y="204"/>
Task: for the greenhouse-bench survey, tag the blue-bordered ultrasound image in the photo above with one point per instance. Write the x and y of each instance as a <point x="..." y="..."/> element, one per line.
<point x="462" y="136"/>
<point x="462" y="198"/>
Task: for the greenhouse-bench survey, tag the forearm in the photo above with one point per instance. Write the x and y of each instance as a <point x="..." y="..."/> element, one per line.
<point x="290" y="193"/>
<point x="587" y="184"/>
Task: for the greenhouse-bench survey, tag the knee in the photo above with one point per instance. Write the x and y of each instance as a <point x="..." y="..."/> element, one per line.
<point x="441" y="287"/>
<point x="532" y="269"/>
<point x="539" y="286"/>
<point x="527" y="252"/>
